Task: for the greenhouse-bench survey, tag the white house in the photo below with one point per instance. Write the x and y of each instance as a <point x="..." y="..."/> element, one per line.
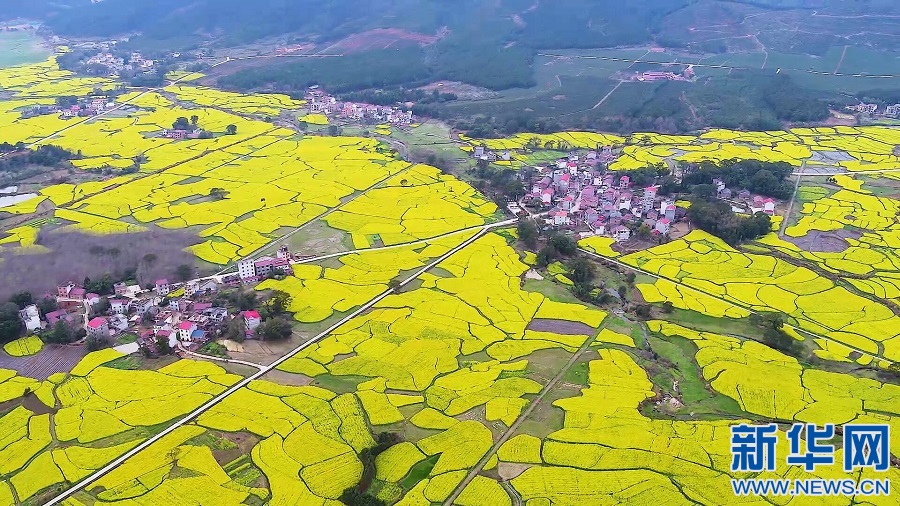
<point x="119" y="306"/>
<point x="31" y="317"/>
<point x="185" y="329"/>
<point x="162" y="287"/>
<point x="663" y="226"/>
<point x="98" y="327"/>
<point x="246" y="269"/>
<point x="621" y="233"/>
<point x="251" y="320"/>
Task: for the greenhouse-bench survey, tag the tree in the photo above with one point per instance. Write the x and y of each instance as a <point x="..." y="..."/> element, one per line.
<point x="162" y="345"/>
<point x="279" y="302"/>
<point x="47" y="305"/>
<point x="582" y="291"/>
<point x="184" y="272"/>
<point x="22" y="299"/>
<point x="194" y="120"/>
<point x="236" y="330"/>
<point x="642" y="311"/>
<point x="528" y="232"/>
<point x="303" y="126"/>
<point x="582" y="271"/>
<point x="275" y="329"/>
<point x="62" y="333"/>
<point x="630" y="277"/>
<point x="668" y="307"/>
<point x="231" y="129"/>
<point x="96" y="342"/>
<point x="10" y="324"/>
<point x="623" y="290"/>
<point x="545" y="256"/>
<point x="564" y="244"/>
<point x="181" y="123"/>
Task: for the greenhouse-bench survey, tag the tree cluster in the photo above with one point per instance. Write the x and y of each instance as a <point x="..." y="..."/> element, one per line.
<point x="764" y="178"/>
<point x="717" y="218"/>
<point x="559" y="245"/>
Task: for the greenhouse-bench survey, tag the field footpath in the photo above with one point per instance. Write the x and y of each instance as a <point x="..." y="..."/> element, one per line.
<point x="730" y="302"/>
<point x="84" y="482"/>
<point x="522" y="417"/>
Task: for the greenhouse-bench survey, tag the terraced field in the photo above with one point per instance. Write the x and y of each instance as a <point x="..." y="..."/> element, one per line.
<point x="461" y="384"/>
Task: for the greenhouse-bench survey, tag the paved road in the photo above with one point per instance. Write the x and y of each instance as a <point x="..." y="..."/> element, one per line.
<point x="731" y="302"/>
<point x="219" y="398"/>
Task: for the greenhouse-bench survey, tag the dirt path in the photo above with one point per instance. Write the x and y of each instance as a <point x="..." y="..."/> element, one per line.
<point x="790" y="209"/>
<point x="841" y="61"/>
<point x="690" y="106"/>
<point x="616" y="87"/>
<point x="290" y="234"/>
<point x="729" y="302"/>
<point x="522" y="417"/>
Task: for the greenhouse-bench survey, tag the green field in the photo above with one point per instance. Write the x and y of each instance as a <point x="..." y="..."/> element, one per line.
<point x="17" y="48"/>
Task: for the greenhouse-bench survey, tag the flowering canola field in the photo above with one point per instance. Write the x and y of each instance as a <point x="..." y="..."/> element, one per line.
<point x="850" y="148"/>
<point x="451" y="362"/>
<point x="237" y="192"/>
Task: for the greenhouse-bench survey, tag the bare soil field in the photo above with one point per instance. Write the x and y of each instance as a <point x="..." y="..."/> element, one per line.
<point x="561" y="327"/>
<point x="381" y="38"/>
<point x="52" y="359"/>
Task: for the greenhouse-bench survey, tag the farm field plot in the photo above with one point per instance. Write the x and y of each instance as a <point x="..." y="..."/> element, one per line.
<point x="607" y="448"/>
<point x="768" y="383"/>
<point x="842" y="147"/>
<point x="851" y="233"/>
<point x="238" y="190"/>
<point x="318" y="292"/>
<point x="402" y="365"/>
<point x="766" y="283"/>
<point x="83" y="419"/>
<point x="411" y="395"/>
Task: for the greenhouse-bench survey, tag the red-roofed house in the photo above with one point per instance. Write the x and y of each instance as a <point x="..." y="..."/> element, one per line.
<point x="185" y="329"/>
<point x="55" y="316"/>
<point x="98" y="327"/>
<point x="251" y="320"/>
<point x="663" y="225"/>
<point x="769" y="207"/>
<point x="547" y="196"/>
<point x="77" y="293"/>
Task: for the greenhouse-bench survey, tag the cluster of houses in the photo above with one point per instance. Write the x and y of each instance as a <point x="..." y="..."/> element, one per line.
<point x="150" y="313"/>
<point x="116" y="66"/>
<point x="653" y="76"/>
<point x="889" y="111"/>
<point x="179" y="134"/>
<point x="250" y="271"/>
<point x="586" y="198"/>
<point x="86" y="106"/>
<point x="322" y="103"/>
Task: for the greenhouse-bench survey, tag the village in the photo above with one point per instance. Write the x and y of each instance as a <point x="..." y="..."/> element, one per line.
<point x="579" y="194"/>
<point x="77" y="107"/>
<point x="889" y="111"/>
<point x="160" y="317"/>
<point x="320" y="102"/>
